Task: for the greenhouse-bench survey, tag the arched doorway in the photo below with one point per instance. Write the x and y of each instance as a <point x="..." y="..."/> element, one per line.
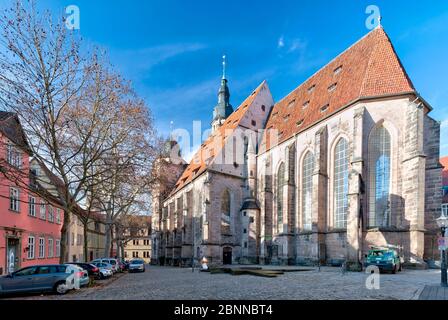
<point x="227" y="255"/>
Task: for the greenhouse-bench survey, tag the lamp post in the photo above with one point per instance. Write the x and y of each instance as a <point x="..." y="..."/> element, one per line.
<point x="442" y="222"/>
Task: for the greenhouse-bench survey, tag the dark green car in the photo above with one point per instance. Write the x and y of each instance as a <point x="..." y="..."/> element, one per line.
<point x="384" y="258"/>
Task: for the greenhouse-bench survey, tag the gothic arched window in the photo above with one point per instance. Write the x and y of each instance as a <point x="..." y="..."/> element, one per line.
<point x="340" y="183"/>
<point x="225" y="213"/>
<point x="379" y="177"/>
<point x="280" y="188"/>
<point x="307" y="190"/>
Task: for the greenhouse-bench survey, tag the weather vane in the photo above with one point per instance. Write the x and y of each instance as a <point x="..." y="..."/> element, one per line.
<point x="224" y="66"/>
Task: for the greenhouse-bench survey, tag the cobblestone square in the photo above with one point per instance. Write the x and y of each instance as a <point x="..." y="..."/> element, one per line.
<point x="164" y="283"/>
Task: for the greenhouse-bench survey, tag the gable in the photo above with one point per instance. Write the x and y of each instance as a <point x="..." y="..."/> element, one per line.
<point x="369" y="68"/>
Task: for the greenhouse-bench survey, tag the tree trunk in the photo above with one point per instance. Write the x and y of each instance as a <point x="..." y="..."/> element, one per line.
<point x="122" y="249"/>
<point x="64" y="240"/>
<point x="107" y="245"/>
<point x="86" y="241"/>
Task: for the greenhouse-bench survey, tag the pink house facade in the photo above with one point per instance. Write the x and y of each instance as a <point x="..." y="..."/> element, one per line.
<point x="30" y="227"/>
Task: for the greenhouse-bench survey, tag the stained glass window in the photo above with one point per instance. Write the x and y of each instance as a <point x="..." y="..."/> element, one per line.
<point x="379" y="189"/>
<point x="340" y="184"/>
<point x="307" y="190"/>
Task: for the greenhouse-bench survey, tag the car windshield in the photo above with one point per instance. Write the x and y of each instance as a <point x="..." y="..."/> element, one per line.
<point x="377" y="253"/>
<point x="137" y="262"/>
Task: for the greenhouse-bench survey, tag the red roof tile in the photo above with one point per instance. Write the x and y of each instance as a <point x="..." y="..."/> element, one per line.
<point x="444" y="162"/>
<point x="212" y="146"/>
<point x="369" y="68"/>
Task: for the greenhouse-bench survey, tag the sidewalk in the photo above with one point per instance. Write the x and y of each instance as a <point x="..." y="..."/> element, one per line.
<point x="434" y="293"/>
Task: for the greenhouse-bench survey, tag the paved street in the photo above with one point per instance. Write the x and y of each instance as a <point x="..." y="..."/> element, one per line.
<point x="174" y="283"/>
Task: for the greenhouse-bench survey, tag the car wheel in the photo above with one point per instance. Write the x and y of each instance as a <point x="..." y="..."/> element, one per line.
<point x="61" y="288"/>
<point x="394" y="270"/>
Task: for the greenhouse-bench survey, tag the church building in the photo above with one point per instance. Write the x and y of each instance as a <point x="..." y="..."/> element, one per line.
<point x="346" y="161"/>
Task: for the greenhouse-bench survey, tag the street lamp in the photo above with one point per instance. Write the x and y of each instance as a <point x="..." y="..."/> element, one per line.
<point x="442" y="222"/>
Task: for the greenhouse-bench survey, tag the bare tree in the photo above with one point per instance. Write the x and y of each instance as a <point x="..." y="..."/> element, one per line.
<point x="76" y="112"/>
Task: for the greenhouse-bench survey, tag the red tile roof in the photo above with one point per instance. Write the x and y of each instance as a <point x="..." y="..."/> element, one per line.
<point x="11" y="127"/>
<point x="444" y="162"/>
<point x="369" y="68"/>
<point x="213" y="145"/>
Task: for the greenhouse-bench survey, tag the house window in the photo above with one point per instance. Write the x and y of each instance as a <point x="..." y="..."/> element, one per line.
<point x="332" y="87"/>
<point x="50" y="248"/>
<point x="31" y="243"/>
<point x="379" y="177"/>
<point x="307" y="190"/>
<point x="58" y="248"/>
<point x="50" y="213"/>
<point x="125" y="254"/>
<point x="337" y="70"/>
<point x="306" y="104"/>
<point x="340" y="184"/>
<point x="32" y="206"/>
<point x="324" y="108"/>
<point x="14" y="156"/>
<point x="58" y="216"/>
<point x="225" y="213"/>
<point x="254" y="123"/>
<point x="79" y="240"/>
<point x="73" y="239"/>
<point x="311" y="89"/>
<point x="41" y="248"/>
<point x="263" y="107"/>
<point x="42" y="210"/>
<point x="280" y="188"/>
<point x="14" y="199"/>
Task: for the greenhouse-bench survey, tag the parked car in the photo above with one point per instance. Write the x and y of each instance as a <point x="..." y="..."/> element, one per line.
<point x="385" y="259"/>
<point x="92" y="270"/>
<point x="125" y="263"/>
<point x="105" y="269"/>
<point x="41" y="278"/>
<point x="137" y="265"/>
<point x="122" y="266"/>
<point x="111" y="261"/>
<point x="82" y="274"/>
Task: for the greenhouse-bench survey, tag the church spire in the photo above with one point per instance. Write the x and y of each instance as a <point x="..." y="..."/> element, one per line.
<point x="223" y="109"/>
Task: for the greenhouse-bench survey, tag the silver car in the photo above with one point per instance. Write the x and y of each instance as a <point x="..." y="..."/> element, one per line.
<point x="105" y="269"/>
<point x="111" y="261"/>
<point x="36" y="279"/>
<point x="137" y="265"/>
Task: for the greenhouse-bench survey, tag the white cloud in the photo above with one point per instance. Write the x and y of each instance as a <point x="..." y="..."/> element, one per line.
<point x="281" y="42"/>
<point x="296" y="45"/>
<point x="444" y="124"/>
<point x="140" y="61"/>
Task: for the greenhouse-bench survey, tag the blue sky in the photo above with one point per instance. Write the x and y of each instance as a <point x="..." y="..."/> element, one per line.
<point x="171" y="50"/>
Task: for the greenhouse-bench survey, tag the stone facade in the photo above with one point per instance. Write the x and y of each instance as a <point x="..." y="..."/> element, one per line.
<point x="324" y="188"/>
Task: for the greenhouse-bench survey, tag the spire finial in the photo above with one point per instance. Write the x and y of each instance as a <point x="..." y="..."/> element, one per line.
<point x="224" y="66"/>
<point x="379" y="20"/>
<point x="171" y="129"/>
